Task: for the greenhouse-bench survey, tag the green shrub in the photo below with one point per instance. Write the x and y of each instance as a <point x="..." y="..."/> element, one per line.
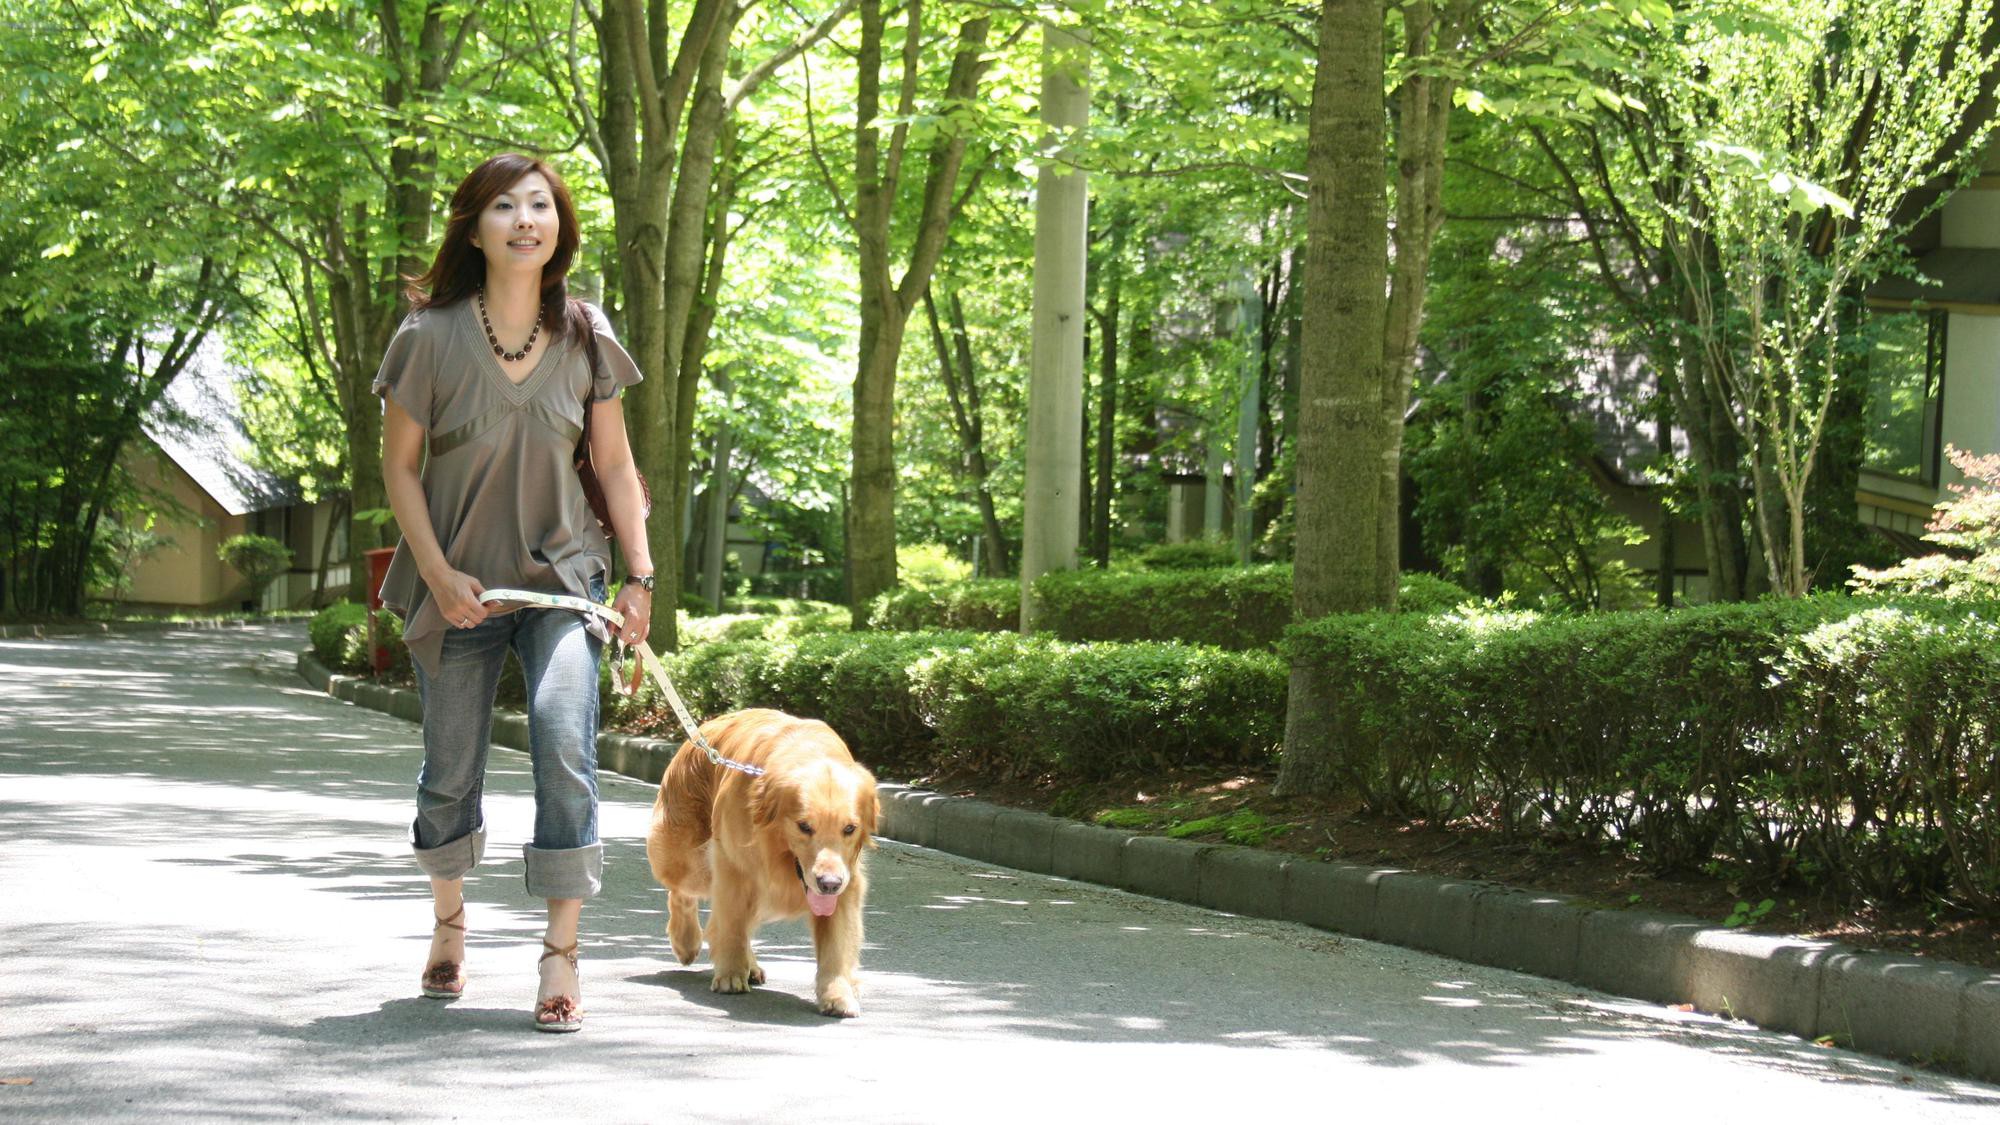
<point x="339" y="636"/>
<point x="1034" y="706"/>
<point x="1836" y="741"/>
<point x="258" y="558"/>
<point x="1418" y="592"/>
<point x="1234" y="607"/>
<point x="998" y="701"/>
<point x="925" y="566"/>
<point x="1231" y="607"/>
<point x="723" y="628"/>
<point x="1200" y="554"/>
<point x="329" y="630"/>
<point x="789" y="607"/>
<point x="979" y="604"/>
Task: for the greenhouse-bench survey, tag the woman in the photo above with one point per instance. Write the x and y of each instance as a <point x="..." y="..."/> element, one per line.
<point x="484" y="389"/>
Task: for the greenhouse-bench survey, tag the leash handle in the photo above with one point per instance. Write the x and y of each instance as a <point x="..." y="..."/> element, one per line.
<point x="652" y="665"/>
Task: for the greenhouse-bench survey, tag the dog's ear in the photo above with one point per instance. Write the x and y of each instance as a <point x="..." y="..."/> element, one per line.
<point x="766" y="796"/>
<point x="868" y="806"/>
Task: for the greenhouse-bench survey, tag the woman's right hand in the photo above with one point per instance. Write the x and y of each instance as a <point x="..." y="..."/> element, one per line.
<point x="457" y="596"/>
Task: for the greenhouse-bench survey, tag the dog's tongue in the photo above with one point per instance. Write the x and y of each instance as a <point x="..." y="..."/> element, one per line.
<point x="819" y="904"/>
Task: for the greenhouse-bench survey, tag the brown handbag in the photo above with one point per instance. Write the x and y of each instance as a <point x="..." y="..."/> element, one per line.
<point x="593" y="489"/>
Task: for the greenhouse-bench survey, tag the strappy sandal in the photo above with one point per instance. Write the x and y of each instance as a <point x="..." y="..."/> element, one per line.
<point x="563" y="1012"/>
<point x="445" y="980"/>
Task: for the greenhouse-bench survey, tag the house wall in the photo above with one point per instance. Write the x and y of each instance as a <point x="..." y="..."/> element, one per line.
<point x="1971" y="406"/>
<point x="188" y="573"/>
<point x="1969" y="418"/>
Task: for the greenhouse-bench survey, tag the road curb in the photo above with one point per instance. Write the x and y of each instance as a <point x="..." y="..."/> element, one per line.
<point x="1936" y="1012"/>
<point x="112" y="628"/>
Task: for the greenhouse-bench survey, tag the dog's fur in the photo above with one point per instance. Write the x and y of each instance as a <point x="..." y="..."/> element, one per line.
<point x="741" y="843"/>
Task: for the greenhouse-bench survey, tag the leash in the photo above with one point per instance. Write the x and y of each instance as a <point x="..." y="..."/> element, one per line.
<point x="650" y="663"/>
<point x="646" y="660"/>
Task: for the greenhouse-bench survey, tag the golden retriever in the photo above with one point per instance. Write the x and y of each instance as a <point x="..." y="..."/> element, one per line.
<point x="759" y="848"/>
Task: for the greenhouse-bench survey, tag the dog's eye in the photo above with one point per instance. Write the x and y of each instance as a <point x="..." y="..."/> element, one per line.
<point x="847" y="831"/>
<point x="805" y="828"/>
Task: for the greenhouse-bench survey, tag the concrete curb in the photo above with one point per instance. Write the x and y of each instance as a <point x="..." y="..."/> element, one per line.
<point x="1936" y="1012"/>
<point x="109" y="628"/>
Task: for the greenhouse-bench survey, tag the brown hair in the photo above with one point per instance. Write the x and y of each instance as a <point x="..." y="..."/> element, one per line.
<point x="460" y="267"/>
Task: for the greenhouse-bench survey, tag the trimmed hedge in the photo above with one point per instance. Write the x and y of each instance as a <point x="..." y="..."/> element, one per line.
<point x="1228" y="607"/>
<point x="1020" y="706"/>
<point x="1234" y="607"/>
<point x="1848" y="744"/>
<point x="983" y="604"/>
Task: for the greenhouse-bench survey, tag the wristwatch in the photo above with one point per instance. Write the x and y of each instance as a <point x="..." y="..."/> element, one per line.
<point x="643" y="581"/>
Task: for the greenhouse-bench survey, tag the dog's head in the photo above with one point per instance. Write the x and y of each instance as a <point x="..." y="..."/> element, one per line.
<point x="823" y="811"/>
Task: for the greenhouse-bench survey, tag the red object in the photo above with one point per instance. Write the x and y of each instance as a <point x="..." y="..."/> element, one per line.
<point x="378" y="568"/>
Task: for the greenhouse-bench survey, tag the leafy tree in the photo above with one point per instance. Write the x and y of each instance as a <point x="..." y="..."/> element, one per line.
<point x="1806" y="156"/>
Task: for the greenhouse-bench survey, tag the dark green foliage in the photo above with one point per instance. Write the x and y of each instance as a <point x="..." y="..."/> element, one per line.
<point x="339" y="635"/>
<point x="768" y="606"/>
<point x="981" y="604"/>
<point x="329" y="630"/>
<point x="1417" y="592"/>
<point x="1234" y="608"/>
<point x="1200" y="554"/>
<point x="1034" y="706"/>
<point x="1228" y="607"/>
<point x="1844" y="743"/>
<point x="858" y="682"/>
<point x="996" y="701"/>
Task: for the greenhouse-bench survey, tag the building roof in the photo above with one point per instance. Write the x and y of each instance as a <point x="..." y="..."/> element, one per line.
<point x="198" y="426"/>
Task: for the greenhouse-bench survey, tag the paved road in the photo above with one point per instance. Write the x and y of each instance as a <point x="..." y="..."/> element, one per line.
<point x="207" y="912"/>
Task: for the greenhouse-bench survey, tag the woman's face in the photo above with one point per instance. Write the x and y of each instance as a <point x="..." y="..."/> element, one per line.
<point x="518" y="229"/>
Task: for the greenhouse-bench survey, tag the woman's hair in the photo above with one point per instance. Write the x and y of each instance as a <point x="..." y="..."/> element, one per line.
<point x="460" y="267"/>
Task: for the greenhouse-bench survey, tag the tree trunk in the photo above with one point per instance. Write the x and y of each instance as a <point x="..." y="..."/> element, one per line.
<point x="644" y="95"/>
<point x="689" y="235"/>
<point x="961" y="384"/>
<point x="886" y="304"/>
<point x="1422" y="109"/>
<point x="1055" y="381"/>
<point x="716" y="535"/>
<point x="1342" y="448"/>
<point x="1107" y="392"/>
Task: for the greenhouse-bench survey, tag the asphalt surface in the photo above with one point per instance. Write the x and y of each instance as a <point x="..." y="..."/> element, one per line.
<point x="207" y="912"/>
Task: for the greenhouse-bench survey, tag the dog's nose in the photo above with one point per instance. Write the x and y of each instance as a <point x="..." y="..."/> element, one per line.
<point x="829" y="884"/>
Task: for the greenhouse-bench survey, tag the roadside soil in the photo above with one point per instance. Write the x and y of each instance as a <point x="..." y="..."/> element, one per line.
<point x="1239" y="808"/>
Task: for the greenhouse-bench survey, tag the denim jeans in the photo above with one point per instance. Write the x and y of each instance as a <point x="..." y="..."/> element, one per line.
<point x="559" y="662"/>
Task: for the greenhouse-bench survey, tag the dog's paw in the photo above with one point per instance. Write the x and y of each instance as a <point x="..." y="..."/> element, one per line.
<point x="756" y="974"/>
<point x="730" y="983"/>
<point x="686" y="945"/>
<point x="839" y="999"/>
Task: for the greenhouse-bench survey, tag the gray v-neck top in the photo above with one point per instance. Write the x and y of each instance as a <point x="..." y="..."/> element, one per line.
<point x="499" y="474"/>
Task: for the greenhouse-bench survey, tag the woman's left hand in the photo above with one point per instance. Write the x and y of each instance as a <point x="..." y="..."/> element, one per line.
<point x="636" y="603"/>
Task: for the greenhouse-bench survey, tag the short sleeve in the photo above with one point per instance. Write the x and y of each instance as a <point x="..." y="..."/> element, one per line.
<point x="616" y="369"/>
<point x="409" y="369"/>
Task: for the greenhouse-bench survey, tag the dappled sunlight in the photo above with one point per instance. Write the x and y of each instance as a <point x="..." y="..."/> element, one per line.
<point x="225" y="893"/>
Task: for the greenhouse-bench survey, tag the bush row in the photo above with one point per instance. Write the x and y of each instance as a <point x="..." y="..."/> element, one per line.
<point x="1849" y="744"/>
<point x="1229" y="607"/>
<point x="994" y="701"/>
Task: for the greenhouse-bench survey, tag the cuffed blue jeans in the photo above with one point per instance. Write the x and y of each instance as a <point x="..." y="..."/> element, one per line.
<point x="559" y="662"/>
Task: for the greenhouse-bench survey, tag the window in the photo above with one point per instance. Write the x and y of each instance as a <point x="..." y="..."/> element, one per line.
<point x="1905" y="394"/>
